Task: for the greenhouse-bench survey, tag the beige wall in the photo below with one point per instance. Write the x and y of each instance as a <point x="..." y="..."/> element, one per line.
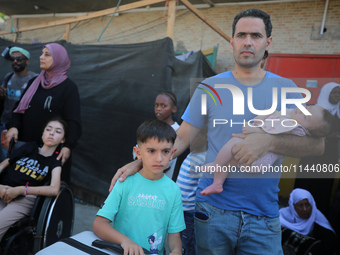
<point x="292" y="22"/>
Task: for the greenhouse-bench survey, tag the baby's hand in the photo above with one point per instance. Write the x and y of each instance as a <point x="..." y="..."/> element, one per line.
<point x="130" y="247"/>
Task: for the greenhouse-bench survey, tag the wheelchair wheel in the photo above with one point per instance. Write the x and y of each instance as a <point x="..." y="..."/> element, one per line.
<point x="55" y="221"/>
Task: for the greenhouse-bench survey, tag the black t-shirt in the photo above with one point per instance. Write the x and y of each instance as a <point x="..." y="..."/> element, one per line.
<point x="27" y="165"/>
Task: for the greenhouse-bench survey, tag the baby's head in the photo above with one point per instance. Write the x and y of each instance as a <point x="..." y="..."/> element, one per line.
<point x="155" y="139"/>
<point x="319" y="124"/>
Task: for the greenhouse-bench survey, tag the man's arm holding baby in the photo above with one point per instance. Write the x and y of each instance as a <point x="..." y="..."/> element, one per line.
<point x="185" y="135"/>
<point x="103" y="229"/>
<point x="257" y="145"/>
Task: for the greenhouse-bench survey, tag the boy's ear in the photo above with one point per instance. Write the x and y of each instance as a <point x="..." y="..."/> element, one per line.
<point x="137" y="151"/>
<point x="173" y="152"/>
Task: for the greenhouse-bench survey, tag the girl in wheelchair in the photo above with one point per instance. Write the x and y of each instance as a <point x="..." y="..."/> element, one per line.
<point x="24" y="173"/>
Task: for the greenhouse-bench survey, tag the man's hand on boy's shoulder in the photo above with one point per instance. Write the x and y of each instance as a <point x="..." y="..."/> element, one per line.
<point x="125" y="171"/>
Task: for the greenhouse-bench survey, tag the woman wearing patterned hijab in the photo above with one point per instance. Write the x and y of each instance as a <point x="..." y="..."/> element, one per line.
<point x="302" y="216"/>
<point x="51" y="94"/>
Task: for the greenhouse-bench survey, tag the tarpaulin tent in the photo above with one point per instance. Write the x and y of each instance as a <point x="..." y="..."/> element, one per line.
<point x="117" y="85"/>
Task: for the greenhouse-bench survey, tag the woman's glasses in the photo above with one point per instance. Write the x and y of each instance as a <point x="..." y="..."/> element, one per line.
<point x="18" y="59"/>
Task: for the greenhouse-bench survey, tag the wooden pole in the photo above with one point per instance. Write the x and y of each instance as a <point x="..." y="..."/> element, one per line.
<point x="15" y="39"/>
<point x="66" y="36"/>
<point x="204" y="19"/>
<point x="171" y="19"/>
<point x="91" y="15"/>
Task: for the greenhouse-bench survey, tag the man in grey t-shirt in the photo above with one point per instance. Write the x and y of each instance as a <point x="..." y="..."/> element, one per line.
<point x="13" y="86"/>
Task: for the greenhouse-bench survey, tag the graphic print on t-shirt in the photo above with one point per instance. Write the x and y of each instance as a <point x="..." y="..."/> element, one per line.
<point x="31" y="167"/>
<point x="147" y="201"/>
<point x="154" y="242"/>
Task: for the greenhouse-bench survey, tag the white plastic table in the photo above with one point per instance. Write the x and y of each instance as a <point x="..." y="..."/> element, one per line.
<point x="86" y="237"/>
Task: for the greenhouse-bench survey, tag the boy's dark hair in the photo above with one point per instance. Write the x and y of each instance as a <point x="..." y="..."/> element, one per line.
<point x="326" y="127"/>
<point x="254" y="13"/>
<point x="155" y="129"/>
<point x="61" y="121"/>
<point x="171" y="95"/>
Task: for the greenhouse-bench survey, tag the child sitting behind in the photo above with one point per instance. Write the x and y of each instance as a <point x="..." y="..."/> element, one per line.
<point x="319" y="124"/>
<point x="26" y="170"/>
<point x="148" y="205"/>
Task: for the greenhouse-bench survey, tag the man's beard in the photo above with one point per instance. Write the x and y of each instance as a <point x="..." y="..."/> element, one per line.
<point x="18" y="67"/>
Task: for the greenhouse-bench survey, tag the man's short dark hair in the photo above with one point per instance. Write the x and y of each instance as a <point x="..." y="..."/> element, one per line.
<point x="155" y="129"/>
<point x="254" y="13"/>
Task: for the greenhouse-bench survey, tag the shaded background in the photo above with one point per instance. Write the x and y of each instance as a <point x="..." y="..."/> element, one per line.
<point x="118" y="85"/>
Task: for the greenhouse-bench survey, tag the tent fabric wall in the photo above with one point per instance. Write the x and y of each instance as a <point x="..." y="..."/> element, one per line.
<point x="117" y="86"/>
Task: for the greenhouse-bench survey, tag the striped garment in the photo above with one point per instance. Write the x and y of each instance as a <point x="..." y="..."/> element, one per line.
<point x="188" y="179"/>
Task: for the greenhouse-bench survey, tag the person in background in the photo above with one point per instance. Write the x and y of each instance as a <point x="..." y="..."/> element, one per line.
<point x="24" y="173"/>
<point x="51" y="94"/>
<point x="166" y="107"/>
<point x="303" y="217"/>
<point x="13" y="86"/>
<point x="321" y="186"/>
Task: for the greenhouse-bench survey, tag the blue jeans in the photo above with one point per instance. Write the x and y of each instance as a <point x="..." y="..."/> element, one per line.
<point x="188" y="234"/>
<point x="235" y="232"/>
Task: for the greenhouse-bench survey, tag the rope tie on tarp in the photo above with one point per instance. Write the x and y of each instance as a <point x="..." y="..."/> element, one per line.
<point x="109" y="20"/>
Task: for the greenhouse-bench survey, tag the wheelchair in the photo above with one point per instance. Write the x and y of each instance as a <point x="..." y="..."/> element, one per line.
<point x="51" y="219"/>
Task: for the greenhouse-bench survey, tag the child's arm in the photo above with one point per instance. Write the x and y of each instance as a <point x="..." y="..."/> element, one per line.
<point x="102" y="228"/>
<point x="175" y="244"/>
<point x="51" y="190"/>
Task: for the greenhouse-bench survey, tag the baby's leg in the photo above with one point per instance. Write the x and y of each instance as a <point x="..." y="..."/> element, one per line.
<point x="225" y="155"/>
<point x="223" y="158"/>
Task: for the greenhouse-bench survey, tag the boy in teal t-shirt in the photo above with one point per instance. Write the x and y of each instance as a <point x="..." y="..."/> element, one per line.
<point x="147" y="206"/>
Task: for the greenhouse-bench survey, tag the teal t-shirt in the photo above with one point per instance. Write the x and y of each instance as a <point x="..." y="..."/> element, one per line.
<point x="145" y="210"/>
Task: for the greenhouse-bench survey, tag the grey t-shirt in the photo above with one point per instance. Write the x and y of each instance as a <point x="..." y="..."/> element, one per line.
<point x="14" y="89"/>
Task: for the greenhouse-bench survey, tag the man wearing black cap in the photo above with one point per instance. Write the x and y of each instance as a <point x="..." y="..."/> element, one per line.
<point x="12" y="87"/>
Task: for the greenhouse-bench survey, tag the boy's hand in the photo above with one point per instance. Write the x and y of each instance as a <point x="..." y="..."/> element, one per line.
<point x="131" y="248"/>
